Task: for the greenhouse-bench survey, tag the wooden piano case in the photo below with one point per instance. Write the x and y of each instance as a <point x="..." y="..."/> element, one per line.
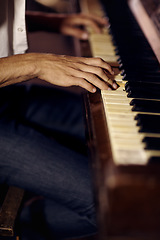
<point x="127" y="196"/>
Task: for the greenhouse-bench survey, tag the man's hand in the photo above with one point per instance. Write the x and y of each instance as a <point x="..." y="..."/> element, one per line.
<point x="88" y="73"/>
<point x="75" y="25"/>
<point x="69" y="24"/>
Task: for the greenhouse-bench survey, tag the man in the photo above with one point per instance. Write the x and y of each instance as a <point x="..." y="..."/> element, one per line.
<point x="33" y="156"/>
<point x="84" y="72"/>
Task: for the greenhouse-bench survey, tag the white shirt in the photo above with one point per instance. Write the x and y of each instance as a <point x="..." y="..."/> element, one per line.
<point x="13" y="39"/>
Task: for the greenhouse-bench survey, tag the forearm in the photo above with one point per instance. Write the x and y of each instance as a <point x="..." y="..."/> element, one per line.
<point x="16" y="69"/>
<point x="39" y="21"/>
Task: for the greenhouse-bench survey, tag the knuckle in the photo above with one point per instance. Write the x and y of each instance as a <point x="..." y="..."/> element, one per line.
<point x="90" y="76"/>
<point x="99" y="71"/>
<point x="79" y="81"/>
<point x="110" y="81"/>
<point x="85" y="84"/>
<point x="99" y="60"/>
<point x="103" y="86"/>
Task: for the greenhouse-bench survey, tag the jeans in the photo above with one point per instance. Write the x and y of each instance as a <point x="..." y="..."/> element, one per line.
<point x="42" y="146"/>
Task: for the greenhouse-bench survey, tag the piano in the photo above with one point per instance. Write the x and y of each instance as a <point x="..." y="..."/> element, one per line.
<point x="123" y="125"/>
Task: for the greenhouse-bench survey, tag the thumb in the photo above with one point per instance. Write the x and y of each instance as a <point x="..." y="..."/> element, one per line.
<point x="81" y="34"/>
<point x="75" y="32"/>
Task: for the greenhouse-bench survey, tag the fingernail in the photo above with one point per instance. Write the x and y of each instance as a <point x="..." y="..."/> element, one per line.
<point x="109" y="89"/>
<point x="84" y="36"/>
<point x="114" y="85"/>
<point x="94" y="90"/>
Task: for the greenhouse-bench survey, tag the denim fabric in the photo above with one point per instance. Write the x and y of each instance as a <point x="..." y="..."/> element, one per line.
<point x="35" y="123"/>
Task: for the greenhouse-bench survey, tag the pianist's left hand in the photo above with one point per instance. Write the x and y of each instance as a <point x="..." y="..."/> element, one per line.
<point x="76" y="24"/>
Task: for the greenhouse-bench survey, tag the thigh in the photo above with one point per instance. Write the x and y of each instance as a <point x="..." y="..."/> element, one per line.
<point x="39" y="164"/>
<point x="43" y="108"/>
<point x="31" y="160"/>
<point x="55" y="110"/>
<point x="56" y="221"/>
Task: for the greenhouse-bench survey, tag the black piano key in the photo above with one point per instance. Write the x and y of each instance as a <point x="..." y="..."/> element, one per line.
<point x="141" y="78"/>
<point x="150" y="128"/>
<point x="142" y="85"/>
<point x="152" y="143"/>
<point x="135" y="76"/>
<point x="140" y="105"/>
<point x="148" y="61"/>
<point x="143" y="68"/>
<point x="143" y="90"/>
<point x="138" y="66"/>
<point x="133" y="52"/>
<point x="143" y="93"/>
<point x="144" y="74"/>
<point x="129" y="60"/>
<point x="137" y="70"/>
<point x="148" y="123"/>
<point x="154" y="160"/>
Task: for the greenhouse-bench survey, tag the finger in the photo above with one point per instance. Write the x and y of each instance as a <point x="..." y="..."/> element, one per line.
<point x="101" y="21"/>
<point x="82" y="82"/>
<point x="76" y="32"/>
<point x="87" y="63"/>
<point x="92" y="67"/>
<point x="100" y="63"/>
<point x="102" y="75"/>
<point x="95" y="70"/>
<point x="93" y="79"/>
<point x="96" y="81"/>
<point x="86" y="22"/>
<point x="98" y="20"/>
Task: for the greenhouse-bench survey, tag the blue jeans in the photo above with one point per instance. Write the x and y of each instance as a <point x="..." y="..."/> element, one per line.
<point x="35" y="123"/>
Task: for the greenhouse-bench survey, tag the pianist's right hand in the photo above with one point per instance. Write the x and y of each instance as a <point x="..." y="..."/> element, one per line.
<point x="61" y="70"/>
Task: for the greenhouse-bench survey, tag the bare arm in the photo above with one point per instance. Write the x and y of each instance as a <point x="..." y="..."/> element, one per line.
<point x="17" y="68"/>
<point x="88" y="73"/>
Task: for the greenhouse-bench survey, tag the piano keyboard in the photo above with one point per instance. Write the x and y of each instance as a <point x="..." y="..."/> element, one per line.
<point x="130" y="143"/>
